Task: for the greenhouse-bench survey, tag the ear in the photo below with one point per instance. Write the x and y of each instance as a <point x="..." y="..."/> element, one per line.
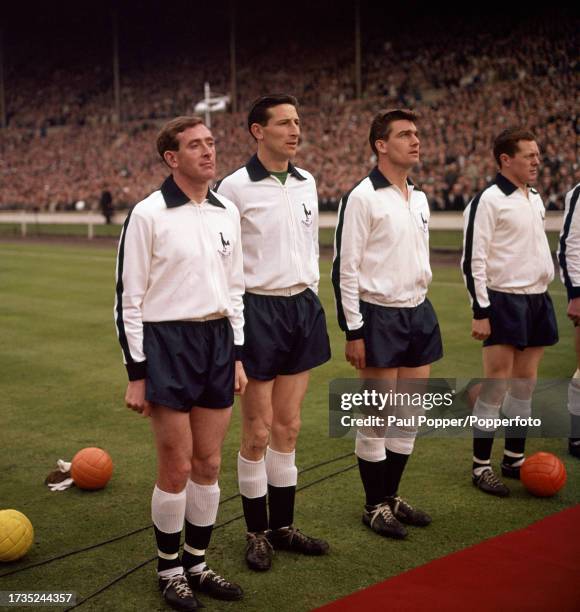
<point x="504" y="160"/>
<point x="381" y="146"/>
<point x="257" y="131"/>
<point x="170" y="159"/>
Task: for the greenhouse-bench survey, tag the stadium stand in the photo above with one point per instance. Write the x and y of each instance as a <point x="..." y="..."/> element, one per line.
<point x="63" y="144"/>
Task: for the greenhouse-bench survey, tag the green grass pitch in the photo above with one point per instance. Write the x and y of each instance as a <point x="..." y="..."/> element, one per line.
<point x="62" y="389"/>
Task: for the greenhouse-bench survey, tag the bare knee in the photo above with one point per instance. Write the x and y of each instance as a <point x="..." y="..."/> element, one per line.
<point x="498" y="370"/>
<point x="498" y="361"/>
<point x="173" y="474"/>
<point x="493" y="390"/>
<point x="285" y="433"/>
<point x="255" y="440"/>
<point x="523" y="388"/>
<point x="205" y="470"/>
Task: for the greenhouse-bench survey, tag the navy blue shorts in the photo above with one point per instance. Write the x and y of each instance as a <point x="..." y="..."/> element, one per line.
<point x="283" y="335"/>
<point x="190" y="364"/>
<point x="401" y="337"/>
<point x="521" y="320"/>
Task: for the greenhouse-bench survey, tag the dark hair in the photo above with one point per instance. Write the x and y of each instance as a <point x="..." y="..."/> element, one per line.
<point x="381" y="125"/>
<point x="259" y="109"/>
<point x="507" y="142"/>
<point x="167" y="137"/>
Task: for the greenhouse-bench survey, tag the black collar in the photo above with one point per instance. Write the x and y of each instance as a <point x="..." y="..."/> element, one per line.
<point x="174" y="197"/>
<point x="505" y="184"/>
<point x="380" y="181"/>
<point x="257" y="172"/>
<point x="213" y="199"/>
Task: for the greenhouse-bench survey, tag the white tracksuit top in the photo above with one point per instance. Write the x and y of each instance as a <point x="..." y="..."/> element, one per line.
<point x="381" y="250"/>
<point x="177" y="261"/>
<point x="279" y="226"/>
<point x="569" y="246"/>
<point x="505" y="247"/>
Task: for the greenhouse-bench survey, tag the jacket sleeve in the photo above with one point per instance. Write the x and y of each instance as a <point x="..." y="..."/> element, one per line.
<point x="315" y="240"/>
<point x="350" y="241"/>
<point x="236" y="280"/>
<point x="569" y="245"/>
<point x="237" y="288"/>
<point x="132" y="276"/>
<point x="479" y="226"/>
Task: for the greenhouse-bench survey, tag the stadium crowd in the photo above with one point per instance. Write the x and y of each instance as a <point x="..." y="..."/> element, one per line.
<point x="63" y="143"/>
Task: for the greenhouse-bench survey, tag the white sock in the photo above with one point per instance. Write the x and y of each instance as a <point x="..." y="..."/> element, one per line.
<point x="369" y="449"/>
<point x="513" y="407"/>
<point x="400" y="441"/>
<point x="487" y="412"/>
<point x="167" y="513"/>
<point x="202" y="503"/>
<point x="252" y="477"/>
<point x="281" y="468"/>
<point x="168" y="510"/>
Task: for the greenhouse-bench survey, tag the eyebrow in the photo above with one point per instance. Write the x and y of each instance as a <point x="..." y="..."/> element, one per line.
<point x="194" y="140"/>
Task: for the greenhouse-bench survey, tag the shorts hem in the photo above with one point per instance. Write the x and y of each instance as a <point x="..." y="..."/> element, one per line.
<point x="182" y="408"/>
<point x="298" y="370"/>
<point x="306" y="368"/>
<point x="518" y="345"/>
<point x="261" y="377"/>
<point x="214" y="406"/>
<point x="417" y="364"/>
<point x="173" y="406"/>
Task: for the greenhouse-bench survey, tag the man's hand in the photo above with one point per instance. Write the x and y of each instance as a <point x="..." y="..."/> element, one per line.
<point x="480" y="329"/>
<point x="241" y="380"/>
<point x="355" y="353"/>
<point x="574" y="310"/>
<point x="135" y="397"/>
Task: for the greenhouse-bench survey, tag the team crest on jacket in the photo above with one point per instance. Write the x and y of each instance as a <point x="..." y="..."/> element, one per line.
<point x="225" y="247"/>
<point x="307" y="220"/>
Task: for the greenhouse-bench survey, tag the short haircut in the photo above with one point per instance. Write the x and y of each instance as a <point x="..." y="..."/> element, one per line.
<point x="381" y="125"/>
<point x="259" y="108"/>
<point x="507" y="142"/>
<point x="167" y="137"/>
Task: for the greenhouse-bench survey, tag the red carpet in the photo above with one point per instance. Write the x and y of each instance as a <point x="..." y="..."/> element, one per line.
<point x="536" y="568"/>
